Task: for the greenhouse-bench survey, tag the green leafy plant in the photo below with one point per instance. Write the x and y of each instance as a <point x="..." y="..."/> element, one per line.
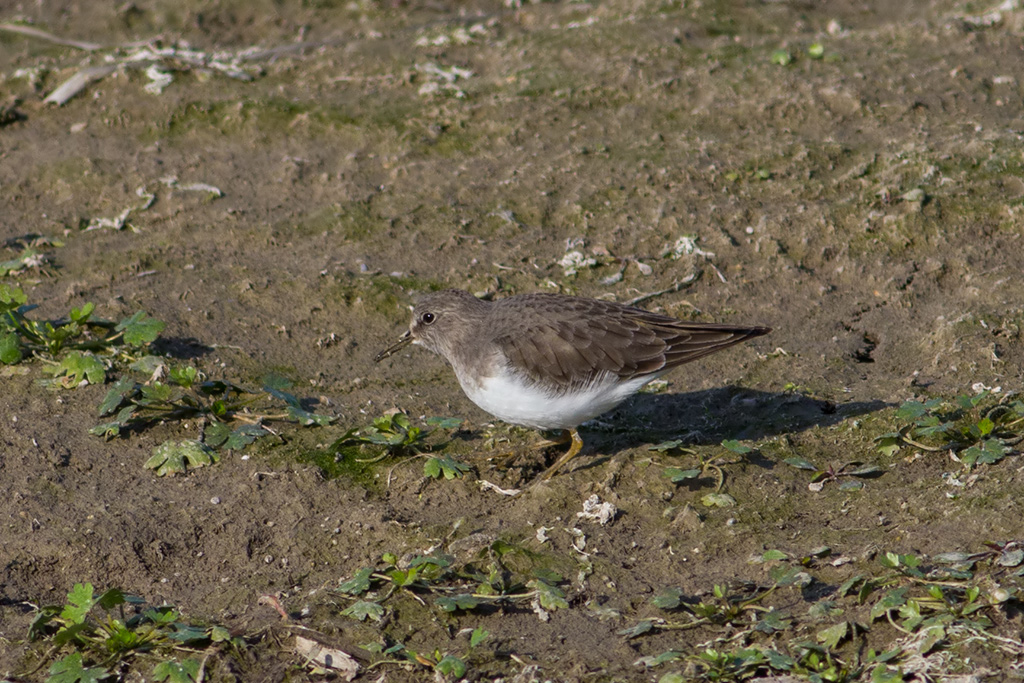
<point x="712" y="464"/>
<point x="105" y="630"/>
<point x="829" y="474"/>
<point x="977" y="430"/>
<point x="399" y="437"/>
<point x="376" y="594"/>
<point x="72" y="347"/>
<point x="455" y="589"/>
<point x="233" y="417"/>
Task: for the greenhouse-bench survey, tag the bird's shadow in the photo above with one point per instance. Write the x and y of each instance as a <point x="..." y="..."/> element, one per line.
<point x="713" y="415"/>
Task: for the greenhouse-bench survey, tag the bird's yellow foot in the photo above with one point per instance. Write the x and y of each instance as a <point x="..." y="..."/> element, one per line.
<point x="577" y="445"/>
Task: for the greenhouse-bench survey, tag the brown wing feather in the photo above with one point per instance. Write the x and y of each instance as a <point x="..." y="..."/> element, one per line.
<point x="570" y="341"/>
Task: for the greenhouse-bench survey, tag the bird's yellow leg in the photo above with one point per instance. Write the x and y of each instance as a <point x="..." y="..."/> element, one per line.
<point x="563" y="438"/>
<point x="577" y="445"/>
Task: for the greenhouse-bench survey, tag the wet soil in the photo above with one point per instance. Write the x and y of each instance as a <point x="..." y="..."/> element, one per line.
<point x="864" y="202"/>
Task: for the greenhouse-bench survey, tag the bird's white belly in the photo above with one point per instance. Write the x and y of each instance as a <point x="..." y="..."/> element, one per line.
<point x="523" y="403"/>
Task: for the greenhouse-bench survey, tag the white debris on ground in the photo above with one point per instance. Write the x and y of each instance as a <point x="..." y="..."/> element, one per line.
<point x="441" y="80"/>
<point x="172" y="182"/>
<point x="596" y="511"/>
<point x="120" y="221"/>
<point x="574" y="259"/>
<point x="687" y="246"/>
<point x="456" y="36"/>
<point x="159" y="64"/>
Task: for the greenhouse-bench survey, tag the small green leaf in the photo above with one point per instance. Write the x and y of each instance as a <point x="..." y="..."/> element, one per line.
<point x="10" y="348"/>
<point x="360" y="583"/>
<point x="177" y="672"/>
<point x="892" y="600"/>
<point x="936" y="428"/>
<point x="677" y="475"/>
<point x="38" y="628"/>
<point x="139" y="329"/>
<point x="774" y="555"/>
<point x="216" y="433"/>
<point x="800" y="464"/>
<point x="831" y="637"/>
<point x="81" y="315"/>
<point x="80" y="601"/>
<point x="437" y="560"/>
<point x="78" y="367"/>
<point x="11" y="298"/>
<point x="547" y="575"/>
<point x="1010" y="558"/>
<point x="816" y="51"/>
<point x="668" y="598"/>
<point x="70" y="670"/>
<point x="157" y="392"/>
<point x="242" y="436"/>
<point x="667" y="446"/>
<point x="446" y="465"/>
<point x="478" y="636"/>
<point x="111" y="598"/>
<point x="781" y="57"/>
<point x="771" y="622"/>
<point x="847" y="585"/>
<point x="280" y="394"/>
<point x="174" y="457"/>
<point x="641" y="628"/>
<point x="186" y="633"/>
<point x="162" y="616"/>
<point x="444" y="422"/>
<point x="219" y="634"/>
<point x="363" y="610"/>
<point x="779" y="661"/>
<point x="736" y="447"/>
<point x="183" y="376"/>
<point x="307" y="419"/>
<point x="889" y="444"/>
<point x="885" y="674"/>
<point x="718" y="500"/>
<point x="432" y="468"/>
<point x="550" y="597"/>
<point x="109" y="430"/>
<point x="658" y="660"/>
<point x="911" y="410"/>
<point x="451" y="666"/>
<point x="403" y="577"/>
<point x="117" y="394"/>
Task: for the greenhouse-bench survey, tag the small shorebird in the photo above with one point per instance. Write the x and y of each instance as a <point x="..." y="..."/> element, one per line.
<point x="550" y="361"/>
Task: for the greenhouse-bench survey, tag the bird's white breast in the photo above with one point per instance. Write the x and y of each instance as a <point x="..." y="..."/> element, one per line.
<point x="519" y="401"/>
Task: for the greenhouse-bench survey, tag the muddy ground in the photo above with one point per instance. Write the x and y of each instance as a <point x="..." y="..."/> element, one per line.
<point x="851" y="173"/>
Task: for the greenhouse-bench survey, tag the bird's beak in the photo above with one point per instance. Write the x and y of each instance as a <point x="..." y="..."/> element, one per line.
<point x="403" y="341"/>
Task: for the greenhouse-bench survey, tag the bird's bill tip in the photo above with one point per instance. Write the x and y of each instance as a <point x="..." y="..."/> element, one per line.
<point x="402" y="342"/>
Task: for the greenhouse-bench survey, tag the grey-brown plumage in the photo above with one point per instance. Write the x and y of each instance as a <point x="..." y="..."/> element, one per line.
<point x="554" y="361"/>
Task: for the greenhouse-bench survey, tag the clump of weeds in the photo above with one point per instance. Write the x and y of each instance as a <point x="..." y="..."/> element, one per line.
<point x="396" y="437"/>
<point x="107" y="634"/>
<point x="437" y="584"/>
<point x="975" y="430"/>
<point x="231" y="417"/>
<point x="75" y="349"/>
<point x="935" y="606"/>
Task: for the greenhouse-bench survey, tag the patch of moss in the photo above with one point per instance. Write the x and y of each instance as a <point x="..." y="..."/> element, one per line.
<point x="347" y="461"/>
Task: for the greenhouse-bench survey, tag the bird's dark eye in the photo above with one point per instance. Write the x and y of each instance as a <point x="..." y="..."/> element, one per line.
<point x="427" y="318"/>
